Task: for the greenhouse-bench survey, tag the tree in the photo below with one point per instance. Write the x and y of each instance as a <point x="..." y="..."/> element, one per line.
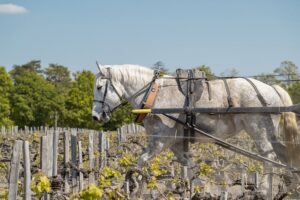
<point x="288" y="70"/>
<point x="267" y="78"/>
<point x="209" y="74"/>
<point x="5" y="90"/>
<point x="34" y="100"/>
<point x="159" y="65"/>
<point x="59" y="76"/>
<point x="294" y="92"/>
<point x="230" y="73"/>
<point x="34" y="66"/>
<point x="79" y="101"/>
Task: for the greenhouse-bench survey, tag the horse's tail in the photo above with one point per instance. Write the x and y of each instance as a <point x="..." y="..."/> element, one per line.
<point x="291" y="138"/>
<point x="290" y="129"/>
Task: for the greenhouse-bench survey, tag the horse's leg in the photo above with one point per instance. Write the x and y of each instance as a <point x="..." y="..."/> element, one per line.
<point x="160" y="136"/>
<point x="182" y="157"/>
<point x="262" y="131"/>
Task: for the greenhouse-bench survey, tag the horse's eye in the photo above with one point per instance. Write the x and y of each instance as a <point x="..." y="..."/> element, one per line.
<point x="99" y="87"/>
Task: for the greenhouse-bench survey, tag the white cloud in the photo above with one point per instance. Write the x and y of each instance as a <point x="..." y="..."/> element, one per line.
<point x="12" y="9"/>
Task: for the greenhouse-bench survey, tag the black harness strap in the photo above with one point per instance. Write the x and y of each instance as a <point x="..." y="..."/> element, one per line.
<point x="281" y="98"/>
<point x="189" y="134"/>
<point x="189" y="83"/>
<point x="259" y="96"/>
<point x="188" y="120"/>
<point x="208" y="90"/>
<point x="229" y="98"/>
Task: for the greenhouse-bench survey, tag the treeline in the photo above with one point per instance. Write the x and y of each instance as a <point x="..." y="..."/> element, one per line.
<point x="32" y="96"/>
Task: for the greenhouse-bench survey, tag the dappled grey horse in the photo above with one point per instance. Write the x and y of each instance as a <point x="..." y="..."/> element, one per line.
<point x="115" y="83"/>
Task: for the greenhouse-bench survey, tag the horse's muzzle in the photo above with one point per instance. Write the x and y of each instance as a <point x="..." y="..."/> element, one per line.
<point x="95" y="116"/>
<point x="103" y="117"/>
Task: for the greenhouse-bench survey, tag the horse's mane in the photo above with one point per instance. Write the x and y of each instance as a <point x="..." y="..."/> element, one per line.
<point x="128" y="73"/>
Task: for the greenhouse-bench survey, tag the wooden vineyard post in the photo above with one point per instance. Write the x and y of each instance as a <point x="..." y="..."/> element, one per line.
<point x="67" y="160"/>
<point x="97" y="159"/>
<point x="153" y="194"/>
<point x="122" y="135"/>
<point x="126" y="187"/>
<point x="27" y="173"/>
<point x="127" y="129"/>
<point x="80" y="165"/>
<point x="74" y="158"/>
<point x="121" y="138"/>
<point x="270" y="182"/>
<point x="107" y="146"/>
<point x="44" y="155"/>
<point x="107" y="143"/>
<point x="26" y="130"/>
<point x="191" y="187"/>
<point x="55" y="151"/>
<point x="11" y="131"/>
<point x="102" y="148"/>
<point x="256" y="180"/>
<point x="15" y="131"/>
<point x="118" y="137"/>
<point x="172" y="170"/>
<point x="50" y="152"/>
<point x="243" y="179"/>
<point x="184" y="176"/>
<point x="3" y="131"/>
<point x="224" y="195"/>
<point x="14" y="170"/>
<point x="91" y="157"/>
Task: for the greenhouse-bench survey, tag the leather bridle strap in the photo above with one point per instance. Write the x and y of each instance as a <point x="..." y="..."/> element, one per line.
<point x="109" y="81"/>
<point x="123" y="100"/>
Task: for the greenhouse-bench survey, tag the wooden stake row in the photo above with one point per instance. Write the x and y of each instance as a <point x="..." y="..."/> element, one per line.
<point x="73" y="154"/>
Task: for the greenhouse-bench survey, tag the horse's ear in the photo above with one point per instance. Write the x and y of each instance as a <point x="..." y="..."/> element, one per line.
<point x="99" y="67"/>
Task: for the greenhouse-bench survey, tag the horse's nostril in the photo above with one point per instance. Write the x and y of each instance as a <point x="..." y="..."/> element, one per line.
<point x="95" y="118"/>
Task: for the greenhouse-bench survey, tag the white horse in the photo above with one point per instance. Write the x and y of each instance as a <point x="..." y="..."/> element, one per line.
<point x="116" y="82"/>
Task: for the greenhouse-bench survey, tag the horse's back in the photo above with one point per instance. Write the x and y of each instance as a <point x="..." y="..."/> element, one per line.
<point x="245" y="93"/>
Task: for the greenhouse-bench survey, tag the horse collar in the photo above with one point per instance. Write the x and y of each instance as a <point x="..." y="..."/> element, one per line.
<point x="148" y="102"/>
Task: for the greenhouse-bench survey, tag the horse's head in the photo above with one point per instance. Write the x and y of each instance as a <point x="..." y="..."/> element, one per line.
<point x="107" y="96"/>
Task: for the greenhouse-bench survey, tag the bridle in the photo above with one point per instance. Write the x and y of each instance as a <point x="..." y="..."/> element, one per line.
<point x="123" y="100"/>
<point x="109" y="82"/>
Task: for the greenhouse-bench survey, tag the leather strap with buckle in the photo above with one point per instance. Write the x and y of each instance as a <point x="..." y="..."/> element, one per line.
<point x="151" y="96"/>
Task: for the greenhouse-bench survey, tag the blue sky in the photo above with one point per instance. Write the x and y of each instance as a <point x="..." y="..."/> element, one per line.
<point x="251" y="36"/>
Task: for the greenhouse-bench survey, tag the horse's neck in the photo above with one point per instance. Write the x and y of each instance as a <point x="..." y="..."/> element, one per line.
<point x="134" y="85"/>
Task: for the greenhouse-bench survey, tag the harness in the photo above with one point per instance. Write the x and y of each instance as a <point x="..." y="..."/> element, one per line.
<point x="148" y="99"/>
<point x="258" y="94"/>
<point x="109" y="82"/>
<point x="190" y="83"/>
